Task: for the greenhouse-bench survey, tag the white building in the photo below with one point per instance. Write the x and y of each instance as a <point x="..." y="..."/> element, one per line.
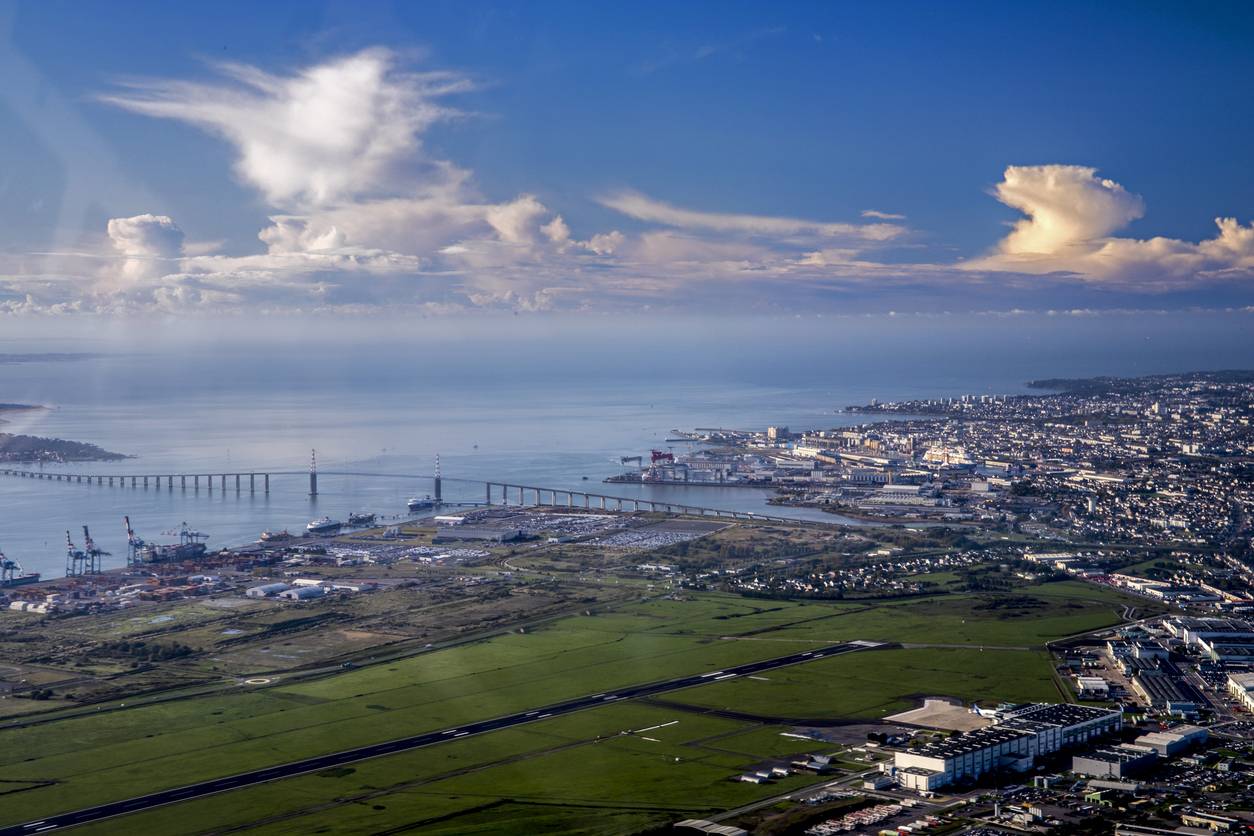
<point x="1019" y="735"/>
<point x="302" y="593"/>
<point x="1173" y="741"/>
<point x="1241" y="686"/>
<point x="265" y="590"/>
<point x="1092" y="686"/>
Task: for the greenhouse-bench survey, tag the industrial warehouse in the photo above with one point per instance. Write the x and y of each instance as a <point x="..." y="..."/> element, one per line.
<point x="1018" y="736"/>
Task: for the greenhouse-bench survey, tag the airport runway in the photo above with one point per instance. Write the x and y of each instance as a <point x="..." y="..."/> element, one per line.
<point x="391" y="747"/>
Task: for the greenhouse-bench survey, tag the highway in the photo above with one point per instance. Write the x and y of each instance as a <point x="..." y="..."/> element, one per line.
<point x="405" y="744"/>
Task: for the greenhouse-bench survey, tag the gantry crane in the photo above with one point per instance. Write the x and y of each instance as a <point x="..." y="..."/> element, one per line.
<point x="93" y="553"/>
<point x="134" y="544"/>
<point x="75" y="560"/>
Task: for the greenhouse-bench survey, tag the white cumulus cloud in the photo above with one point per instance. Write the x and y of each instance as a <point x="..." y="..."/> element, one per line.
<point x="1072" y="215"/>
<point x="519" y="221"/>
<point x="1065" y="205"/>
<point x="337" y="150"/>
<point x="364" y="215"/>
<point x="327" y="133"/>
<point x="147" y="242"/>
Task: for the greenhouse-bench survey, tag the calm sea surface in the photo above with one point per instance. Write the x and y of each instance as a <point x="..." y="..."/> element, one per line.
<point x="535" y="406"/>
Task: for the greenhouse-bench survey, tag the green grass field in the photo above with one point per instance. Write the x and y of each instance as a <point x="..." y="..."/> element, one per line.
<point x="569" y="774"/>
<point x="117" y="754"/>
<point x="871" y="685"/>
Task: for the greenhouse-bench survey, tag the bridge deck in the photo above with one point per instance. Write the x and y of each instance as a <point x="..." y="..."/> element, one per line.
<point x="506" y="493"/>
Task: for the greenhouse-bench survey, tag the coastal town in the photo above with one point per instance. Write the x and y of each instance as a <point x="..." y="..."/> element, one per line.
<point x="1020" y="614"/>
<point x="1146" y="461"/>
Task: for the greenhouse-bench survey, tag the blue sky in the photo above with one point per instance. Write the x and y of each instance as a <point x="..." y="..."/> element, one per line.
<point x="573" y="156"/>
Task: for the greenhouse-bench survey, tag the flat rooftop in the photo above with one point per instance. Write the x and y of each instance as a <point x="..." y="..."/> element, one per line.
<point x="1113" y="755"/>
<point x="972" y="742"/>
<point x="1060" y="714"/>
<point x="941" y="714"/>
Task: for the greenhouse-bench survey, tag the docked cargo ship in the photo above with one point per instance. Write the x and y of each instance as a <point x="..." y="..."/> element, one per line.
<point x="362" y="519"/>
<point x="269" y="536"/>
<point x="171" y="552"/>
<point x="190" y="546"/>
<point x="420" y="503"/>
<point x="11" y="573"/>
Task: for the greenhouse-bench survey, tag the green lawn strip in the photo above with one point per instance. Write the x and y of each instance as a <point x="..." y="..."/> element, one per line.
<point x="242" y="808"/>
<point x="516" y="671"/>
<point x="535" y="819"/>
<point x="614" y="755"/>
<point x="722" y="614"/>
<point x="875" y="683"/>
<point x="380" y="772"/>
<point x="106" y="756"/>
<point x="221" y="746"/>
<point x="623" y="772"/>
<point x="460" y="816"/>
<point x="1082" y="591"/>
<point x="964" y="619"/>
<point x="767" y="742"/>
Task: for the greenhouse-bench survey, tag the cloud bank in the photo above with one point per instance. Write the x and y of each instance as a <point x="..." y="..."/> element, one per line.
<point x="1071" y="215"/>
<point x="366" y="216"/>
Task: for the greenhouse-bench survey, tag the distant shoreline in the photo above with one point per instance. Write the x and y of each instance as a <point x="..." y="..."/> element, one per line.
<point x="18" y="407"/>
<point x="32" y="449"/>
<point x="46" y="357"/>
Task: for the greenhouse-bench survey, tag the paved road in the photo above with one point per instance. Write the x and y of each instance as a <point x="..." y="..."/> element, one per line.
<point x="391" y="747"/>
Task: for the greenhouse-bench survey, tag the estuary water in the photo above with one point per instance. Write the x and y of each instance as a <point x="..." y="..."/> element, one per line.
<point x="537" y="403"/>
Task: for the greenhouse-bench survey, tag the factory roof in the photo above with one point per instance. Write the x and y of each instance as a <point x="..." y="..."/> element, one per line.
<point x="972" y="741"/>
<point x="1242" y="680"/>
<point x="1052" y="714"/>
<point x="1159" y="687"/>
<point x="1161" y="739"/>
<point x="1116" y="754"/>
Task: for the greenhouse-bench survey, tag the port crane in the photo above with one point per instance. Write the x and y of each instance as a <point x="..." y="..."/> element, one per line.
<point x="85" y="561"/>
<point x="74" y="558"/>
<point x="186" y="536"/>
<point x="93" y="552"/>
<point x="639" y="460"/>
<point x="9" y="570"/>
<point x="134" y="543"/>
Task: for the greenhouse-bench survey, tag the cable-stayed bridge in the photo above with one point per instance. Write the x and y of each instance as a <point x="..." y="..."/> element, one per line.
<point x="494" y="492"/>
